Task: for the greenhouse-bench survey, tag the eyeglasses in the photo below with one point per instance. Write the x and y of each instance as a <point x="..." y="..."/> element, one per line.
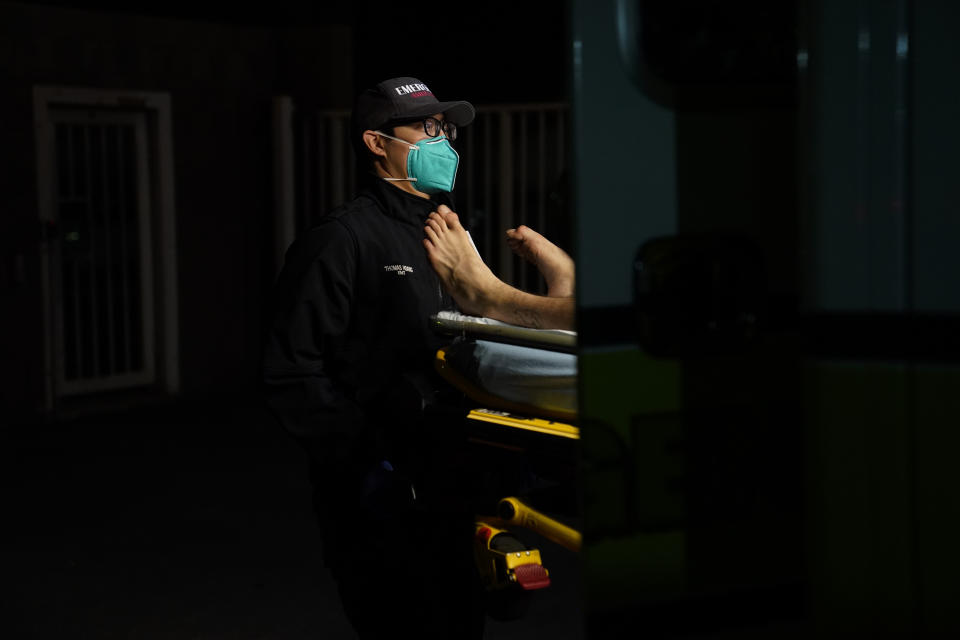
<point x="432" y="127"/>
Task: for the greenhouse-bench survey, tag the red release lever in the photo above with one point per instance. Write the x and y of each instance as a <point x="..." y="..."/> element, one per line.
<point x="531" y="576"/>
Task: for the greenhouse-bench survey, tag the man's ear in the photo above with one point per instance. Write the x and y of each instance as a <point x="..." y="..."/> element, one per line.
<point x="374" y="143"/>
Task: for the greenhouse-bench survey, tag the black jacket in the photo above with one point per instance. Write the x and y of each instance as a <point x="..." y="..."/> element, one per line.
<point x="351" y="321"/>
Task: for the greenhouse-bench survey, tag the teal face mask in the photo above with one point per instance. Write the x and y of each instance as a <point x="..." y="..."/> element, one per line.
<point x="431" y="164"/>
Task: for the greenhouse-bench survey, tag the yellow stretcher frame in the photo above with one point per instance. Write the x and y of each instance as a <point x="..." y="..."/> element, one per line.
<point x="501" y="570"/>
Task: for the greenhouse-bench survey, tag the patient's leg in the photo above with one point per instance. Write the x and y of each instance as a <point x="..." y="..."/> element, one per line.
<point x="462" y="272"/>
<point x="477" y="291"/>
<point x="552" y="261"/>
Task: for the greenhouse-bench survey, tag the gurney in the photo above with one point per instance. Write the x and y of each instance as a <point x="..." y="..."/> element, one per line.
<point x="521" y="386"/>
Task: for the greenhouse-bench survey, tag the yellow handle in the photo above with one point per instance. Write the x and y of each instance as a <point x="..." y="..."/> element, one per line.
<point x="514" y="512"/>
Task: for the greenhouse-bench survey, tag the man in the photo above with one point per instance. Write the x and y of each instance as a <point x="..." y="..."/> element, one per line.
<point x="348" y="367"/>
<point x="478" y="292"/>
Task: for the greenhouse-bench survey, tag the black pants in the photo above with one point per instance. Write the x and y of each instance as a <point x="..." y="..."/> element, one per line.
<point x="402" y="558"/>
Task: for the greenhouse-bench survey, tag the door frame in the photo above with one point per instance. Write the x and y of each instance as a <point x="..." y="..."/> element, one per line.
<point x="156" y="107"/>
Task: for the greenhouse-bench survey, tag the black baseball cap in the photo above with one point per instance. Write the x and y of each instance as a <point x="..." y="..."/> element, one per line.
<point x="405" y="99"/>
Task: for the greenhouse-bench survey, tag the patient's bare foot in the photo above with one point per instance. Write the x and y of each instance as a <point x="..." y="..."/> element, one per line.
<point x="462" y="272"/>
<point x="553" y="262"/>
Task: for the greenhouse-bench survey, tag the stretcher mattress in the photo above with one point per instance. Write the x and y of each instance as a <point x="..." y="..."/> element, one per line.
<point x="539" y="378"/>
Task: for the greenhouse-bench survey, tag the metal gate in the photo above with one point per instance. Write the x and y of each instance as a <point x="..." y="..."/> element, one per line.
<point x="101" y="266"/>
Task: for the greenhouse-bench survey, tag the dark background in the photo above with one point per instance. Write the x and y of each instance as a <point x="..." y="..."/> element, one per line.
<point x="148" y="516"/>
<point x="141" y="515"/>
<point x="222" y="67"/>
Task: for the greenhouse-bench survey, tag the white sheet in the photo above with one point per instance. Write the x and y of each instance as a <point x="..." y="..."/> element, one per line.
<point x="537" y="377"/>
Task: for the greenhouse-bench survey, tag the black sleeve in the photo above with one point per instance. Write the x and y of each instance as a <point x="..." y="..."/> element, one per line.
<point x="311" y="314"/>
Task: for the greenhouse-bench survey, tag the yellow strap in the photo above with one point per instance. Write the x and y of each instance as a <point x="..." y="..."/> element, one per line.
<point x="529" y="424"/>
